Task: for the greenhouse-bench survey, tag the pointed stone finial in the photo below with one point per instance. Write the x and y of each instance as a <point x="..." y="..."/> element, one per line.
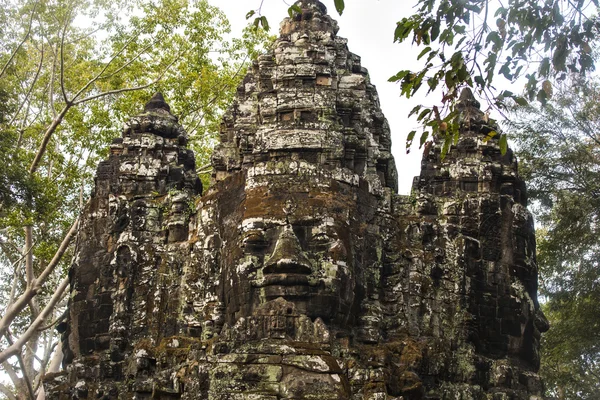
<point x="157" y="102"/>
<point x="467" y="99"/>
<point x="314" y="4"/>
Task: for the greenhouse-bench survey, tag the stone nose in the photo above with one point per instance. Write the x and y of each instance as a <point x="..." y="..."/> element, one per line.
<point x="288" y="257"/>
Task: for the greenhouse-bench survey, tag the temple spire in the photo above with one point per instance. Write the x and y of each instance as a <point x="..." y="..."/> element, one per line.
<point x="157" y="102"/>
<point x="467" y="99"/>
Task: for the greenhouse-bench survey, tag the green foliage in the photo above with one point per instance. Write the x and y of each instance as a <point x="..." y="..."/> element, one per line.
<point x="167" y="45"/>
<point x="463" y="47"/>
<point x="71" y="72"/>
<point x="559" y="148"/>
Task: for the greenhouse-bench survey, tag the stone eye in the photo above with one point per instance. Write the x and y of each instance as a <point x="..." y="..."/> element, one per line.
<point x="321" y="241"/>
<point x="254" y="241"/>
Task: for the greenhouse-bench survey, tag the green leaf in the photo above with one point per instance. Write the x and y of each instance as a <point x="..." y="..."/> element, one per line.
<point x="403" y="29"/>
<point x="471" y="7"/>
<point x="435" y="30"/>
<point x="495" y="38"/>
<point x="423" y="139"/>
<point x="503" y="143"/>
<point x="409" y="140"/>
<point x="521" y="101"/>
<point x="479" y="80"/>
<point x="489" y="136"/>
<point x="414" y="110"/>
<point x="294" y="9"/>
<point x="462" y="74"/>
<point x="264" y="23"/>
<point x="460" y="29"/>
<point x="505" y="70"/>
<point x="339" y="6"/>
<point x="455" y="136"/>
<point x="424" y="114"/>
<point x="544" y="69"/>
<point x="423" y="52"/>
<point x="250" y="14"/>
<point x="446" y="146"/>
<point x="432" y="82"/>
<point x="400" y="75"/>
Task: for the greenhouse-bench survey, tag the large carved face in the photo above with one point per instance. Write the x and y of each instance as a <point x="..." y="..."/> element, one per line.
<point x="299" y="244"/>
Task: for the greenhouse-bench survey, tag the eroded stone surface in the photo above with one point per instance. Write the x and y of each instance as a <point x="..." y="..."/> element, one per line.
<point x="301" y="274"/>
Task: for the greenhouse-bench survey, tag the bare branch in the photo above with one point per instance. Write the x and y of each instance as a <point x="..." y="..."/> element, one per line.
<point x="50" y="347"/>
<point x="51" y="129"/>
<point x="98" y="75"/>
<point x="22" y="365"/>
<point x="52" y="368"/>
<point x="13" y="289"/>
<point x="14" y="53"/>
<point x="13" y="310"/>
<point x="56" y="360"/>
<point x="117" y="91"/>
<point x="128" y="63"/>
<point x="9" y="369"/>
<point x="56" y="321"/>
<point x="15" y="348"/>
<point x="62" y="62"/>
<point x="35" y="79"/>
<point x="29" y="254"/>
<point x="7" y="392"/>
<point x="58" y="255"/>
<point x="51" y="93"/>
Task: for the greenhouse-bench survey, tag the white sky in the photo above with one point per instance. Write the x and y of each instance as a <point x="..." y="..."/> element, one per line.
<point x="369" y="27"/>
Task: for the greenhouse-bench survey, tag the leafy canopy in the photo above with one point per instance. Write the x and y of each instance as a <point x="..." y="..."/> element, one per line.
<point x="71" y="71"/>
<point x="559" y="148"/>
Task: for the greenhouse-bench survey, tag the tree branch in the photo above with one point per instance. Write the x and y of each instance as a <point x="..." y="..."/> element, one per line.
<point x="95" y="78"/>
<point x="62" y="63"/>
<point x="15" y="348"/>
<point x="56" y="321"/>
<point x="7" y="392"/>
<point x="58" y="255"/>
<point x="51" y="129"/>
<point x="126" y="64"/>
<point x="29" y="254"/>
<point x="14" y="53"/>
<point x="35" y="79"/>
<point x="9" y="369"/>
<point x="117" y="91"/>
<point x="51" y="93"/>
<point x="22" y="364"/>
<point x="13" y="310"/>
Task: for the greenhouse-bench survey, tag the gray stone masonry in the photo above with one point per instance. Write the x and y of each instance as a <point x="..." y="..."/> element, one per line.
<point x="301" y="273"/>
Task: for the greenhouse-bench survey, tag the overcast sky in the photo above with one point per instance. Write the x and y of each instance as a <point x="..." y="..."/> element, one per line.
<point x="369" y="27"/>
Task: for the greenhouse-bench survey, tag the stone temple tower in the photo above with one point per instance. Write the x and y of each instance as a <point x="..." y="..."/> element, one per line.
<point x="300" y="273"/>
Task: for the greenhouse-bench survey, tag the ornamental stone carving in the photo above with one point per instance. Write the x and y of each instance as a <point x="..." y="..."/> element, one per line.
<point x="300" y="273"/>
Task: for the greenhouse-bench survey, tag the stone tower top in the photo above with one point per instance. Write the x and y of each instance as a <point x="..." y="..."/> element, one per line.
<point x="467" y="99"/>
<point x="308" y="100"/>
<point x="157" y="102"/>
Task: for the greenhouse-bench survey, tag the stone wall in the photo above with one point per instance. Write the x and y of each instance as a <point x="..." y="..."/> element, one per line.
<point x="300" y="273"/>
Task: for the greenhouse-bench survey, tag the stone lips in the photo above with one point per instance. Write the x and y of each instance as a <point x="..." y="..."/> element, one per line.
<point x="300" y="274"/>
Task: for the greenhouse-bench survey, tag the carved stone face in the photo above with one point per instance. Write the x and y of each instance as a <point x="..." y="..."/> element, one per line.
<point x="296" y="245"/>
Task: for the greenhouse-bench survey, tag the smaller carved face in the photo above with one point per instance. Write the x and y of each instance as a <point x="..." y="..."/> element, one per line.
<point x="300" y="248"/>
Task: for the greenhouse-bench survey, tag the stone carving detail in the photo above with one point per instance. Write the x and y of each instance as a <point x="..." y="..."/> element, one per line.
<point x="301" y="274"/>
